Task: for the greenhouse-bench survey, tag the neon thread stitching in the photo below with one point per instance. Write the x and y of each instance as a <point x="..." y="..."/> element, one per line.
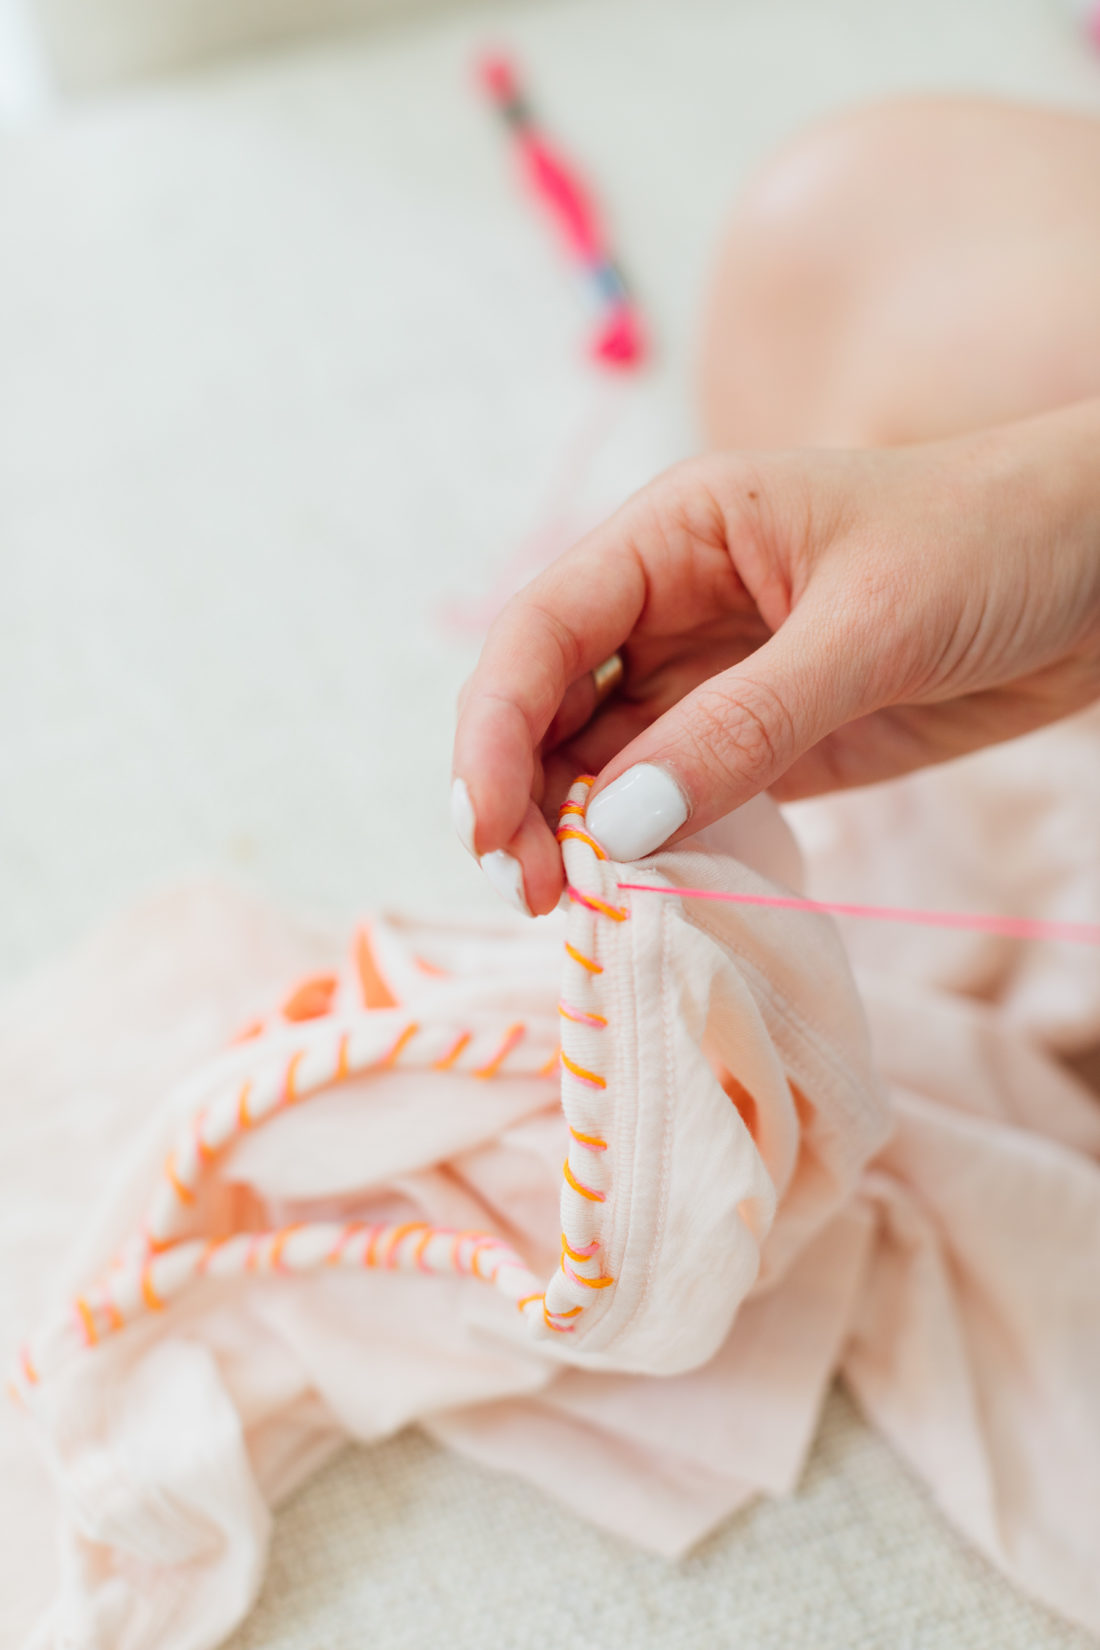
<point x="564" y="834"/>
<point x="580" y="1018"/>
<point x="590" y="1078"/>
<point x="512" y="1036"/>
<point x="578" y="1186"/>
<point x="253" y="1100"/>
<point x="617" y="913"/>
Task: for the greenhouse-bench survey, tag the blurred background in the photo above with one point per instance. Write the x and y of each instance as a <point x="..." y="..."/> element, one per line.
<point x="294" y="381"/>
<point x="294" y="386"/>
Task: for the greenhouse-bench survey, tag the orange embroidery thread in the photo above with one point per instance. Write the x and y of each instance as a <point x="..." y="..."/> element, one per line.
<point x="84" y="1312"/>
<point x="446" y="1061"/>
<point x="589" y="1283"/>
<point x="398" y="1239"/>
<point x="585" y="1191"/>
<point x="114" y="1316"/>
<point x="206" y="1153"/>
<point x="592" y="1141"/>
<point x="336" y="1253"/>
<point x="290" y="1089"/>
<point x="275" y="1257"/>
<point x="475" y="1255"/>
<point x="559" y="1328"/>
<point x="617" y="913"/>
<point x="314" y="998"/>
<point x="183" y="1192"/>
<point x="566" y="834"/>
<point x="209" y="1252"/>
<point x="402" y="1042"/>
<point x="582" y="1074"/>
<point x="148" y="1293"/>
<point x="511" y="1037"/>
<point x="155" y="1245"/>
<point x="579" y="1017"/>
<point x="342" y="1066"/>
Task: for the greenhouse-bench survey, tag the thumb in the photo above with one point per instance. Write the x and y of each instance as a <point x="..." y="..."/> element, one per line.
<point x="732" y="737"/>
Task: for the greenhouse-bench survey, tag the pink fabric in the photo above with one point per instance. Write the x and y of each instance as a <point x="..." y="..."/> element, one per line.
<point x="768" y="1209"/>
<point x="1012" y="830"/>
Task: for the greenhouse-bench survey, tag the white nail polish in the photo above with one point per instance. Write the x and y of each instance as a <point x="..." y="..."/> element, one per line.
<point x="462" y="815"/>
<point x="638" y="812"/>
<point x="505" y="873"/>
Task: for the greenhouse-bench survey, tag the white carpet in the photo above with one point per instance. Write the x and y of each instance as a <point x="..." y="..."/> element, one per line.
<point x="408" y="1548"/>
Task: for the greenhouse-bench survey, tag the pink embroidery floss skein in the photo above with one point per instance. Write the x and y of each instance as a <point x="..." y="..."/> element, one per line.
<point x="619" y="341"/>
<point x="1087" y="14"/>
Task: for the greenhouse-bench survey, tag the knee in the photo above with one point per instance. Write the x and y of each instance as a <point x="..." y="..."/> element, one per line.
<point x="809" y="241"/>
<point x="905" y="272"/>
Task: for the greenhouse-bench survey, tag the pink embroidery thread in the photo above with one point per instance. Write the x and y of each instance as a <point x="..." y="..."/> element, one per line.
<point x="1016" y="928"/>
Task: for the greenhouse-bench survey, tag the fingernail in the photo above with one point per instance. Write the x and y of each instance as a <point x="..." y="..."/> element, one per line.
<point x="462" y="815"/>
<point x="506" y="875"/>
<point x="638" y="812"/>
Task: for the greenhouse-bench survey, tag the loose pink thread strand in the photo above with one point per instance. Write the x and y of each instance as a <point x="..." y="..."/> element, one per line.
<point x="1016" y="928"/>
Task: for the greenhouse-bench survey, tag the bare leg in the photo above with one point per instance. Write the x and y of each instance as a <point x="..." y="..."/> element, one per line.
<point x="907" y="272"/>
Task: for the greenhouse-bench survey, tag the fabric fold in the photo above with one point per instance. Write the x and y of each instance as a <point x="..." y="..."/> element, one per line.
<point x="606" y="1201"/>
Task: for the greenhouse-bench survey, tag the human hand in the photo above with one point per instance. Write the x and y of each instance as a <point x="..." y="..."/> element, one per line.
<point x="797" y="622"/>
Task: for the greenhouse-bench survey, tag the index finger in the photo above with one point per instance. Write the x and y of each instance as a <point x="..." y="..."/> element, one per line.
<point x="564" y="623"/>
